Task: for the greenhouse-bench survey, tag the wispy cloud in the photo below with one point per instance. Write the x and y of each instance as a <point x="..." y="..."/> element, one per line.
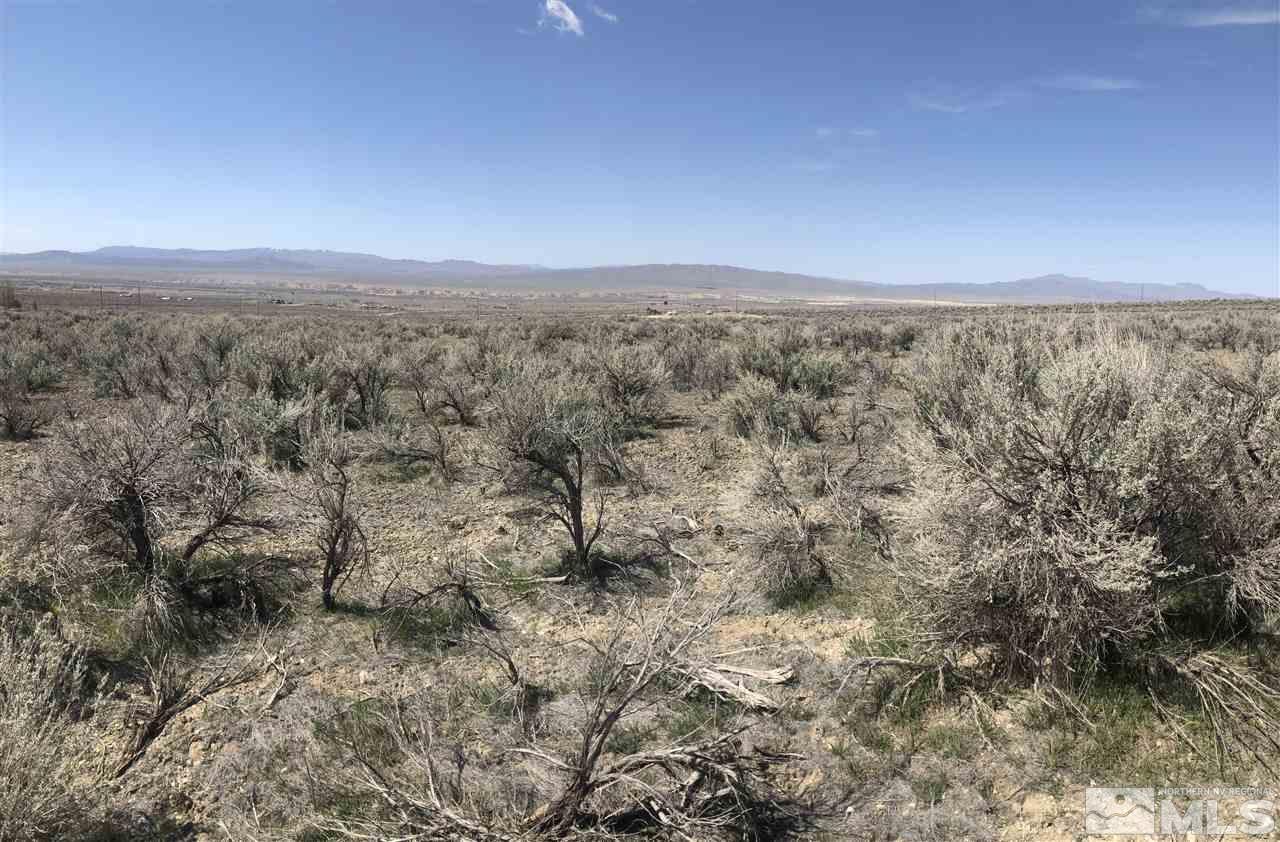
<point x="951" y="101"/>
<point x="946" y="105"/>
<point x="1091" y="84"/>
<point x="1222" y="16"/>
<point x="558" y="14"/>
<point x="603" y="14"/>
<point x="827" y="133"/>
<point x="1234" y="17"/>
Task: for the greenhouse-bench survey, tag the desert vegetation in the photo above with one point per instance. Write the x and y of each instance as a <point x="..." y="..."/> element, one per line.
<point x="904" y="574"/>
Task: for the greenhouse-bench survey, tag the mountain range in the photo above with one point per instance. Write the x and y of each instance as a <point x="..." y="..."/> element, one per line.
<point x="303" y="264"/>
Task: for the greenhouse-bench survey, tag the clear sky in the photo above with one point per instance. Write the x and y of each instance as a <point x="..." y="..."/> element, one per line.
<point x="911" y="141"/>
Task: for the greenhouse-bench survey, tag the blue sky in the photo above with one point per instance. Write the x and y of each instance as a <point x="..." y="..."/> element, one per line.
<point x="898" y="142"/>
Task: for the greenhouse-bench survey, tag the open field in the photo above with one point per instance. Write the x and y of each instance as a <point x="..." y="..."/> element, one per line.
<point x="268" y="296"/>
<point x="530" y="567"/>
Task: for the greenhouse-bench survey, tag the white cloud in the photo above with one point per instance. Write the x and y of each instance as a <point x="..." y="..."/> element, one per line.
<point x="1222" y="16"/>
<point x="603" y="14"/>
<point x="864" y="132"/>
<point x="1092" y="84"/>
<point x="825" y="132"/>
<point x="559" y="15"/>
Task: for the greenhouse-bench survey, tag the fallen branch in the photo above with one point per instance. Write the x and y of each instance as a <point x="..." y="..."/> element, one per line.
<point x="778" y="675"/>
<point x="715" y="678"/>
<point x="715" y="785"/>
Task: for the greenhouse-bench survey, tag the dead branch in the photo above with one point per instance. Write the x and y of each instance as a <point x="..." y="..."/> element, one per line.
<point x="638" y="654"/>
<point x="172" y="693"/>
<point x="715" y="678"/>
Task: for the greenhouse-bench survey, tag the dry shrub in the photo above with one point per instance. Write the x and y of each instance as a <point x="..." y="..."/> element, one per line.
<point x="615" y="465"/>
<point x="274" y="428"/>
<point x="819" y="376"/>
<point x="633" y="383"/>
<point x="787" y="358"/>
<point x="1082" y="501"/>
<point x="21" y="415"/>
<point x="44" y="681"/>
<point x="334" y="509"/>
<point x="756" y="407"/>
<point x="131" y="356"/>
<point x="282" y="365"/>
<point x="360" y="386"/>
<point x="553" y="436"/>
<point x="418" y="766"/>
<point x="209" y="362"/>
<point x="717" y="370"/>
<point x="697" y="362"/>
<point x="775" y="354"/>
<point x="443" y="382"/>
<point x="29" y="365"/>
<point x="418" y="368"/>
<point x="903" y="337"/>
<point x="682" y="354"/>
<point x="172" y="689"/>
<point x="136" y="500"/>
<point x="112" y="486"/>
<point x="788" y="564"/>
<point x="857" y="336"/>
<point x="407" y="444"/>
<point x="483" y="355"/>
<point x="810" y="416"/>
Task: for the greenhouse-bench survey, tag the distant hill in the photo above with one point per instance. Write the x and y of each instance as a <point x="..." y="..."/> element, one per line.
<point x="298" y="261"/>
<point x="1065" y="288"/>
<point x="297" y="264"/>
<point x="686" y="277"/>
